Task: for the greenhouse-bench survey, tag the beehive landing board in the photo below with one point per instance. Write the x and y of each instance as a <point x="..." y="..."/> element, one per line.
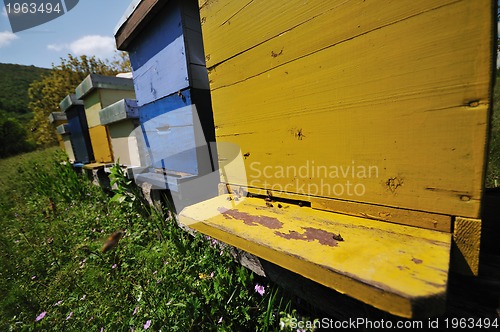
<point x="399" y="269"/>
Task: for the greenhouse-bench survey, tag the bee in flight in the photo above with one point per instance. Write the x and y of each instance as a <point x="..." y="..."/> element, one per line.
<point x="112" y="241"/>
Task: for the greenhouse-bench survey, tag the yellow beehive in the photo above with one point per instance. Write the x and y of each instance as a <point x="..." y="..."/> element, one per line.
<point x="372" y="115"/>
<point x="98" y="92"/>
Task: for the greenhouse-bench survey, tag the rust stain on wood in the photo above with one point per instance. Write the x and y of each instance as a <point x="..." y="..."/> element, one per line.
<point x="311" y="234"/>
<point x="269" y="222"/>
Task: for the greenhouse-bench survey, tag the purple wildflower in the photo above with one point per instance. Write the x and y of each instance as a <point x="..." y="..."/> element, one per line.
<point x="148" y="323"/>
<point x="39" y="317"/>
<point x="69" y="316"/>
<point x="219" y="321"/>
<point x="114" y="266"/>
<point x="260" y="289"/>
<point x="57" y="303"/>
<point x="135" y="310"/>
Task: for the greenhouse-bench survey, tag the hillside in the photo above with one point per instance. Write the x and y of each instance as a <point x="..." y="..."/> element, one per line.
<point x="14" y="83"/>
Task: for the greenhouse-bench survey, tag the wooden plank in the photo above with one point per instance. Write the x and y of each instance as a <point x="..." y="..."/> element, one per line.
<point x="98" y="99"/>
<point x="68" y="147"/>
<point x="173" y="132"/>
<point x="431" y="221"/>
<point x="124" y="142"/>
<point x="100" y="144"/>
<point x="385" y="107"/>
<point x="111" y="96"/>
<point x="141" y="15"/>
<point x="121" y="110"/>
<point x="224" y="24"/>
<point x="397" y="268"/>
<point x="75" y="113"/>
<point x="466" y="245"/>
<point x="167" y="55"/>
<point x="155" y="80"/>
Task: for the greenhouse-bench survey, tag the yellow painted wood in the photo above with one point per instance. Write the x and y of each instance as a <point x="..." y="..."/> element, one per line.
<point x="438" y="222"/>
<point x="466" y="245"/>
<point x="92" y="166"/>
<point x="92" y="105"/>
<point x="101" y="144"/>
<point x="396" y="268"/>
<point x="401" y="87"/>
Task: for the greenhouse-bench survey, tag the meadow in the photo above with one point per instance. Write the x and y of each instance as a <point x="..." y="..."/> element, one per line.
<point x="54" y="277"/>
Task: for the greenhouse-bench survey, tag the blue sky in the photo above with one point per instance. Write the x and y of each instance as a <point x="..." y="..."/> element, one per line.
<point x="86" y="29"/>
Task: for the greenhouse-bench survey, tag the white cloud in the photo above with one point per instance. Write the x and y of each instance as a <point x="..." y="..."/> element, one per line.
<point x="100" y="46"/>
<point x="6" y="38"/>
<point x="57" y="47"/>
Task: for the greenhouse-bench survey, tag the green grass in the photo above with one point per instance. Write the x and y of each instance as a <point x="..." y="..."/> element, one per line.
<point x="54" y="223"/>
<point x="493" y="172"/>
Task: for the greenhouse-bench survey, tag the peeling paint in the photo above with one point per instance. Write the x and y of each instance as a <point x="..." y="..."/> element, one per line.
<point x="311" y="234"/>
<point x="269" y="222"/>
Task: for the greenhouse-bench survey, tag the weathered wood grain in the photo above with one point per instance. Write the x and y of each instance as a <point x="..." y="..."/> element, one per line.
<point x="401" y="87"/>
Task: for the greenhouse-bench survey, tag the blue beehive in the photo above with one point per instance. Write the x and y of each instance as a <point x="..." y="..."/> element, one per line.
<point x="77" y="122"/>
<point x="165" y="46"/>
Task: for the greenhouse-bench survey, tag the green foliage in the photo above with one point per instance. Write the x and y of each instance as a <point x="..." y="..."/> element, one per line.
<point x="46" y="94"/>
<point x="14" y="83"/>
<point x="13" y="138"/>
<point x="54" y="222"/>
<point x="493" y="172"/>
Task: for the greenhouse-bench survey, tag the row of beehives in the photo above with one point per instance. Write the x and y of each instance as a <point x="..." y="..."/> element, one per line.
<point x="157" y="124"/>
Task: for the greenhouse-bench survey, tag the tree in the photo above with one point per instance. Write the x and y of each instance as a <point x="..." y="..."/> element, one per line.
<point x="46" y="93"/>
<point x="13" y="138"/>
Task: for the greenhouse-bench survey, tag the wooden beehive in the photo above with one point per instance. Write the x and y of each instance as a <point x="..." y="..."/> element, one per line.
<point x="97" y="92"/>
<point x="165" y="46"/>
<point x="56" y="119"/>
<point x="374" y="116"/>
<point x="122" y="121"/>
<point x="77" y="121"/>
<point x="65" y="132"/>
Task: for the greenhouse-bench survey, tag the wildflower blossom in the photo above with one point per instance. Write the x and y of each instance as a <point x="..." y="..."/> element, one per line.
<point x="114" y="266"/>
<point x="39" y="317"/>
<point x="69" y="316"/>
<point x="135" y="310"/>
<point x="219" y="321"/>
<point x="260" y="289"/>
<point x="57" y="303"/>
<point x="83" y="297"/>
<point x="148" y="324"/>
<point x="33" y="277"/>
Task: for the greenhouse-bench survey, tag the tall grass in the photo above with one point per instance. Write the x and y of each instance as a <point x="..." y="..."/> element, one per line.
<point x="54" y="276"/>
<point x="493" y="172"/>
